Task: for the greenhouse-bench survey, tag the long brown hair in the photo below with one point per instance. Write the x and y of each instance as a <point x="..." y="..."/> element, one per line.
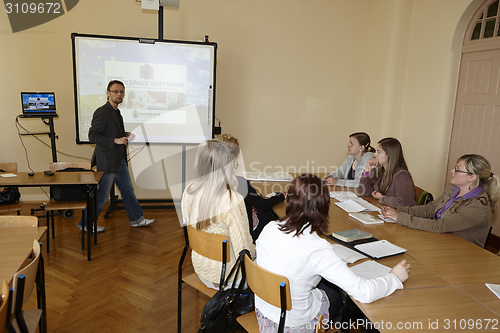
<point x="307" y="204"/>
<point x="395" y="162"/>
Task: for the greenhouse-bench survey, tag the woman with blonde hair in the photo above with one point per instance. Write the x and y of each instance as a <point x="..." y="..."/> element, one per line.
<point x="464" y="208"/>
<point x="350" y="172"/>
<point x="211" y="203"/>
<point x="386" y="177"/>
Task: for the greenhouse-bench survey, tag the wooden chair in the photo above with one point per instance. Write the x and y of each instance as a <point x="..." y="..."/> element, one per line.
<point x="18" y="221"/>
<point x="319" y="328"/>
<point x="10" y="167"/>
<point x="4" y="314"/>
<point x="488" y="236"/>
<point x="26" y="321"/>
<point x="65" y="206"/>
<point x="423" y="197"/>
<point x="209" y="246"/>
<point x="272" y="288"/>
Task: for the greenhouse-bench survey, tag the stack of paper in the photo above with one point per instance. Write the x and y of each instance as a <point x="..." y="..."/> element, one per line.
<point x="380" y="249"/>
<point x="366" y="218"/>
<point x="495" y="288"/>
<point x="342" y="196"/>
<point x="346" y="254"/>
<point x="357" y="205"/>
<point x="275" y="177"/>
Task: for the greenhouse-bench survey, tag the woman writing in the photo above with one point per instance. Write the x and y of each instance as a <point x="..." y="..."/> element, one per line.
<point x="211" y="203"/>
<point x="386" y="177"/>
<point x="293" y="247"/>
<point x="464" y="208"/>
<point x="351" y="170"/>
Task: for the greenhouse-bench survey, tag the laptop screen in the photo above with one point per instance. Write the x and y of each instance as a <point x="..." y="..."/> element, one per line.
<point x="38" y="104"/>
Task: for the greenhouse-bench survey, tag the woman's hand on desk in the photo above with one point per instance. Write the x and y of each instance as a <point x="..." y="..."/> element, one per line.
<point x="390" y="213"/>
<point x="402" y="271"/>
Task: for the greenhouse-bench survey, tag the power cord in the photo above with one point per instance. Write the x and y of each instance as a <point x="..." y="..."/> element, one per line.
<point x="48" y="145"/>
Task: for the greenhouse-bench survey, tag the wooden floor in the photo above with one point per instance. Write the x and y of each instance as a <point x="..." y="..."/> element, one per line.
<point x="129" y="286"/>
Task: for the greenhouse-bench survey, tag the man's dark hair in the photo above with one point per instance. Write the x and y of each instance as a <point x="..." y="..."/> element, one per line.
<point x="115" y="82"/>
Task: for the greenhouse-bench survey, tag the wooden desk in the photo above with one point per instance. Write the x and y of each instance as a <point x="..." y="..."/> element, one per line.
<point x="445" y="291"/>
<point x="87" y="181"/>
<point x="16" y="244"/>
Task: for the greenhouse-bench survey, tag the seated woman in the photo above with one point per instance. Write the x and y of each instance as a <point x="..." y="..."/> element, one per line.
<point x="292" y="247"/>
<point x="351" y="170"/>
<point x="386" y="177"/>
<point x="259" y="209"/>
<point x="211" y="203"/>
<point x="464" y="208"/>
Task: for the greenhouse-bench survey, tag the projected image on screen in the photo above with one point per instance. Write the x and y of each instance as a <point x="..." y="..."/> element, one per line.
<point x="169" y="86"/>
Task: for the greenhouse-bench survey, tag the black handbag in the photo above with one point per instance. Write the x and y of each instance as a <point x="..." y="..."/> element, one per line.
<point x="220" y="313"/>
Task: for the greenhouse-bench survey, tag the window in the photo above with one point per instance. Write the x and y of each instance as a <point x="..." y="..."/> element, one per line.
<point x="487" y="24"/>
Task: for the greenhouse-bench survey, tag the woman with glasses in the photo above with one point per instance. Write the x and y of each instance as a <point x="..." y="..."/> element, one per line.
<point x="386" y="177"/>
<point x="351" y="170"/>
<point x="464" y="208"/>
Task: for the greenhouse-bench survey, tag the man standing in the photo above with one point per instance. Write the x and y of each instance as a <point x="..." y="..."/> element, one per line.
<point x="108" y="133"/>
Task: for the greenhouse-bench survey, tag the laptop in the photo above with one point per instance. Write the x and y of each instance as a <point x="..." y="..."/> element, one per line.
<point x="39" y="104"/>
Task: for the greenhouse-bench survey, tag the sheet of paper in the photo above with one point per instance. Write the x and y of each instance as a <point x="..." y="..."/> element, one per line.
<point x="357" y="205"/>
<point x="495" y="288"/>
<point x="346" y="254"/>
<point x="380" y="249"/>
<point x="8" y="175"/>
<point x="386" y="219"/>
<point x="370" y="269"/>
<point x="342" y="196"/>
<point x="275" y="177"/>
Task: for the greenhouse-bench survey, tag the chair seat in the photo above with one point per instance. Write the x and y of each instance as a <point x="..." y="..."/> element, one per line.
<point x="194" y="281"/>
<point x="61" y="205"/>
<point x="31" y="318"/>
<point x="249" y="322"/>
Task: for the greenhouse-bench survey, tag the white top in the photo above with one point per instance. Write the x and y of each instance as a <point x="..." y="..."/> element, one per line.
<point x="341" y="173"/>
<point x="304" y="260"/>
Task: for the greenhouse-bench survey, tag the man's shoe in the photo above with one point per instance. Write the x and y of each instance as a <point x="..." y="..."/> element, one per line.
<point x="141" y="222"/>
<point x="99" y="228"/>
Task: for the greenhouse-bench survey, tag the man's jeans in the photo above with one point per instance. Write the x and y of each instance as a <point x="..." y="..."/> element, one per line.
<point x="124" y="183"/>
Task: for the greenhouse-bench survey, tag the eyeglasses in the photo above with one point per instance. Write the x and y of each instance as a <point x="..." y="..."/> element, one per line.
<point x="458" y="170"/>
<point x="117" y="91"/>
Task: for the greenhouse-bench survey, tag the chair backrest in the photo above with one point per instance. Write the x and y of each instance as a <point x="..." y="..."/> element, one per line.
<point x="319" y="328"/>
<point x="9" y="167"/>
<point x="206" y="244"/>
<point x="29" y="272"/>
<point x="271" y="287"/>
<point x="488" y="236"/>
<point x="18" y="221"/>
<point x="423" y="197"/>
<point x="3" y="307"/>
<point x="55" y="166"/>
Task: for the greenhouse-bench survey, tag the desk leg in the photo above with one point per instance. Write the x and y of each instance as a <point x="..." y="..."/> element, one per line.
<point x="40" y="291"/>
<point x="94" y="210"/>
<point x="90" y="220"/>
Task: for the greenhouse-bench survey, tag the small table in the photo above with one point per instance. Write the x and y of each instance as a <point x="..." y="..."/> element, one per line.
<point x="87" y="181"/>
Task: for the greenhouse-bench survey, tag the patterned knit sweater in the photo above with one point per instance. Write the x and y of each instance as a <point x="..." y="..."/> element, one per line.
<point x="232" y="221"/>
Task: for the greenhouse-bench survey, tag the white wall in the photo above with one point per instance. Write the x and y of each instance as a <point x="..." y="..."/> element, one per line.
<point x="294" y="78"/>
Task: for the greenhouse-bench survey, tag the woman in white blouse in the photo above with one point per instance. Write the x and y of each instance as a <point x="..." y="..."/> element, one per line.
<point x="350" y="172"/>
<point x="292" y="247"/>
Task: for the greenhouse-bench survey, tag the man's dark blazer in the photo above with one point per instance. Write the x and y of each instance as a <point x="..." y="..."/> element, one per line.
<point x="107" y="124"/>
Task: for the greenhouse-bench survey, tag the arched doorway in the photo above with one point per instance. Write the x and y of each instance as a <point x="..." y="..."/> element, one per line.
<point x="476" y="119"/>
